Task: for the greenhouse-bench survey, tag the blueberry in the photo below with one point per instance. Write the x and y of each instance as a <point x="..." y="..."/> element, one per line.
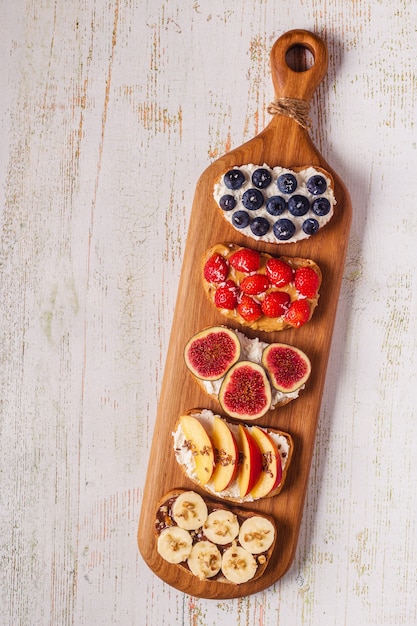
<point x="283" y="229"/>
<point x="298" y="205"/>
<point x="275" y="205"/>
<point x="240" y="219"/>
<point x="252" y="199"/>
<point x="320" y="206"/>
<point x="259" y="226"/>
<point x="310" y="226"/>
<point x="227" y="202"/>
<point x="261" y="178"/>
<point x="234" y="179"/>
<point x="316" y="185"/>
<point x="287" y="183"/>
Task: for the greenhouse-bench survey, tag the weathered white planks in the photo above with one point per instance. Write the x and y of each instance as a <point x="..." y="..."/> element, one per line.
<point x="109" y="113"/>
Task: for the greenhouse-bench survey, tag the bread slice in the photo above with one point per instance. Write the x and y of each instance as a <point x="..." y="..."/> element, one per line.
<point x="186" y="452"/>
<point x="164" y="520"/>
<point x="263" y="323"/>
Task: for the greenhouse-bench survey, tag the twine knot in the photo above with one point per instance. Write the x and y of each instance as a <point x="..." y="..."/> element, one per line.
<point x="292" y="107"/>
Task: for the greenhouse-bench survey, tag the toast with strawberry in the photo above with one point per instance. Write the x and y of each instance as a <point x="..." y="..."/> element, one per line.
<point x="258" y="290"/>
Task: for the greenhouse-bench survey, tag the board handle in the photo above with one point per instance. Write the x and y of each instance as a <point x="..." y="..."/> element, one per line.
<point x="289" y="83"/>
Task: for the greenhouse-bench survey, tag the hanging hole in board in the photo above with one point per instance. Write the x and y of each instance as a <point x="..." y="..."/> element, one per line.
<point x="299" y="58"/>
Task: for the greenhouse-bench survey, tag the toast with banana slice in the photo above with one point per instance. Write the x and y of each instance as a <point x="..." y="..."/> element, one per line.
<point x="235" y="462"/>
<point x="213" y="542"/>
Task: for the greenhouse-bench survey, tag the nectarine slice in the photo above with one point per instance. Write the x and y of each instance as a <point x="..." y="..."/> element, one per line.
<point x="226" y="455"/>
<point x="200" y="445"/>
<point x="251" y="462"/>
<point x="271" y="474"/>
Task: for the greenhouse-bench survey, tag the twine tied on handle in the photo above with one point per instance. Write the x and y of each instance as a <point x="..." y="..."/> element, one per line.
<point x="292" y="107"/>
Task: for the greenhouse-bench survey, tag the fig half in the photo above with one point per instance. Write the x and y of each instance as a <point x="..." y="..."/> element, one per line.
<point x="288" y="367"/>
<point x="212" y="352"/>
<point x="245" y="392"/>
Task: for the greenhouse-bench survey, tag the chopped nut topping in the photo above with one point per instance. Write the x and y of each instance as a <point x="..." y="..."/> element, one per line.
<point x="235" y="562"/>
<point x="267" y="458"/>
<point x="176" y="544"/>
<point x="210" y="563"/>
<point x="188" y="510"/>
<point x="222" y="528"/>
<point x="259" y="535"/>
<point x="221" y="457"/>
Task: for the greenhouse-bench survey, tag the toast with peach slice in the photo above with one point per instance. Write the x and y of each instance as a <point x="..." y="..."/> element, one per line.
<point x="235" y="462"/>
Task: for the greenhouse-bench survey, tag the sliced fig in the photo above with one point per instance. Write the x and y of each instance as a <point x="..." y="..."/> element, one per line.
<point x="245" y="392"/>
<point x="288" y="367"/>
<point x="211" y="352"/>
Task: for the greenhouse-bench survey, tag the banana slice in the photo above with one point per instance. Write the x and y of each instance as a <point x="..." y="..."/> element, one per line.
<point x="205" y="560"/>
<point x="238" y="565"/>
<point x="175" y="544"/>
<point x="221" y="527"/>
<point x="189" y="510"/>
<point x="256" y="534"/>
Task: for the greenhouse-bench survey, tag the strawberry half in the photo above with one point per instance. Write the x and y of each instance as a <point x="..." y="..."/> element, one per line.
<point x="306" y="282"/>
<point x="245" y="260"/>
<point x="216" y="269"/>
<point x="254" y="284"/>
<point x="298" y="313"/>
<point x="226" y="296"/>
<point x="249" y="309"/>
<point x="279" y="272"/>
<point x="275" y="303"/>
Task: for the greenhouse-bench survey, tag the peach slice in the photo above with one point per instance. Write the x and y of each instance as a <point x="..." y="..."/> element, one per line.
<point x="200" y="445"/>
<point x="226" y="455"/>
<point x="250" y="467"/>
<point x="271" y="474"/>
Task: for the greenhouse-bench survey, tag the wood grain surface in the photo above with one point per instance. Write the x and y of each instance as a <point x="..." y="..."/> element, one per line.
<point x="109" y="113"/>
<point x="283" y="142"/>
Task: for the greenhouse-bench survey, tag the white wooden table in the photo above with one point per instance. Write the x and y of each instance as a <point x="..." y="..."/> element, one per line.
<point x="109" y="113"/>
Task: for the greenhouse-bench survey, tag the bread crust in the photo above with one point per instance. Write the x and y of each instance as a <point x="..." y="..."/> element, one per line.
<point x="213" y="505"/>
<point x="225" y="496"/>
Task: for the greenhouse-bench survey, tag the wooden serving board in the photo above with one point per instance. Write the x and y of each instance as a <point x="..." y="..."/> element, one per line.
<point x="283" y="142"/>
